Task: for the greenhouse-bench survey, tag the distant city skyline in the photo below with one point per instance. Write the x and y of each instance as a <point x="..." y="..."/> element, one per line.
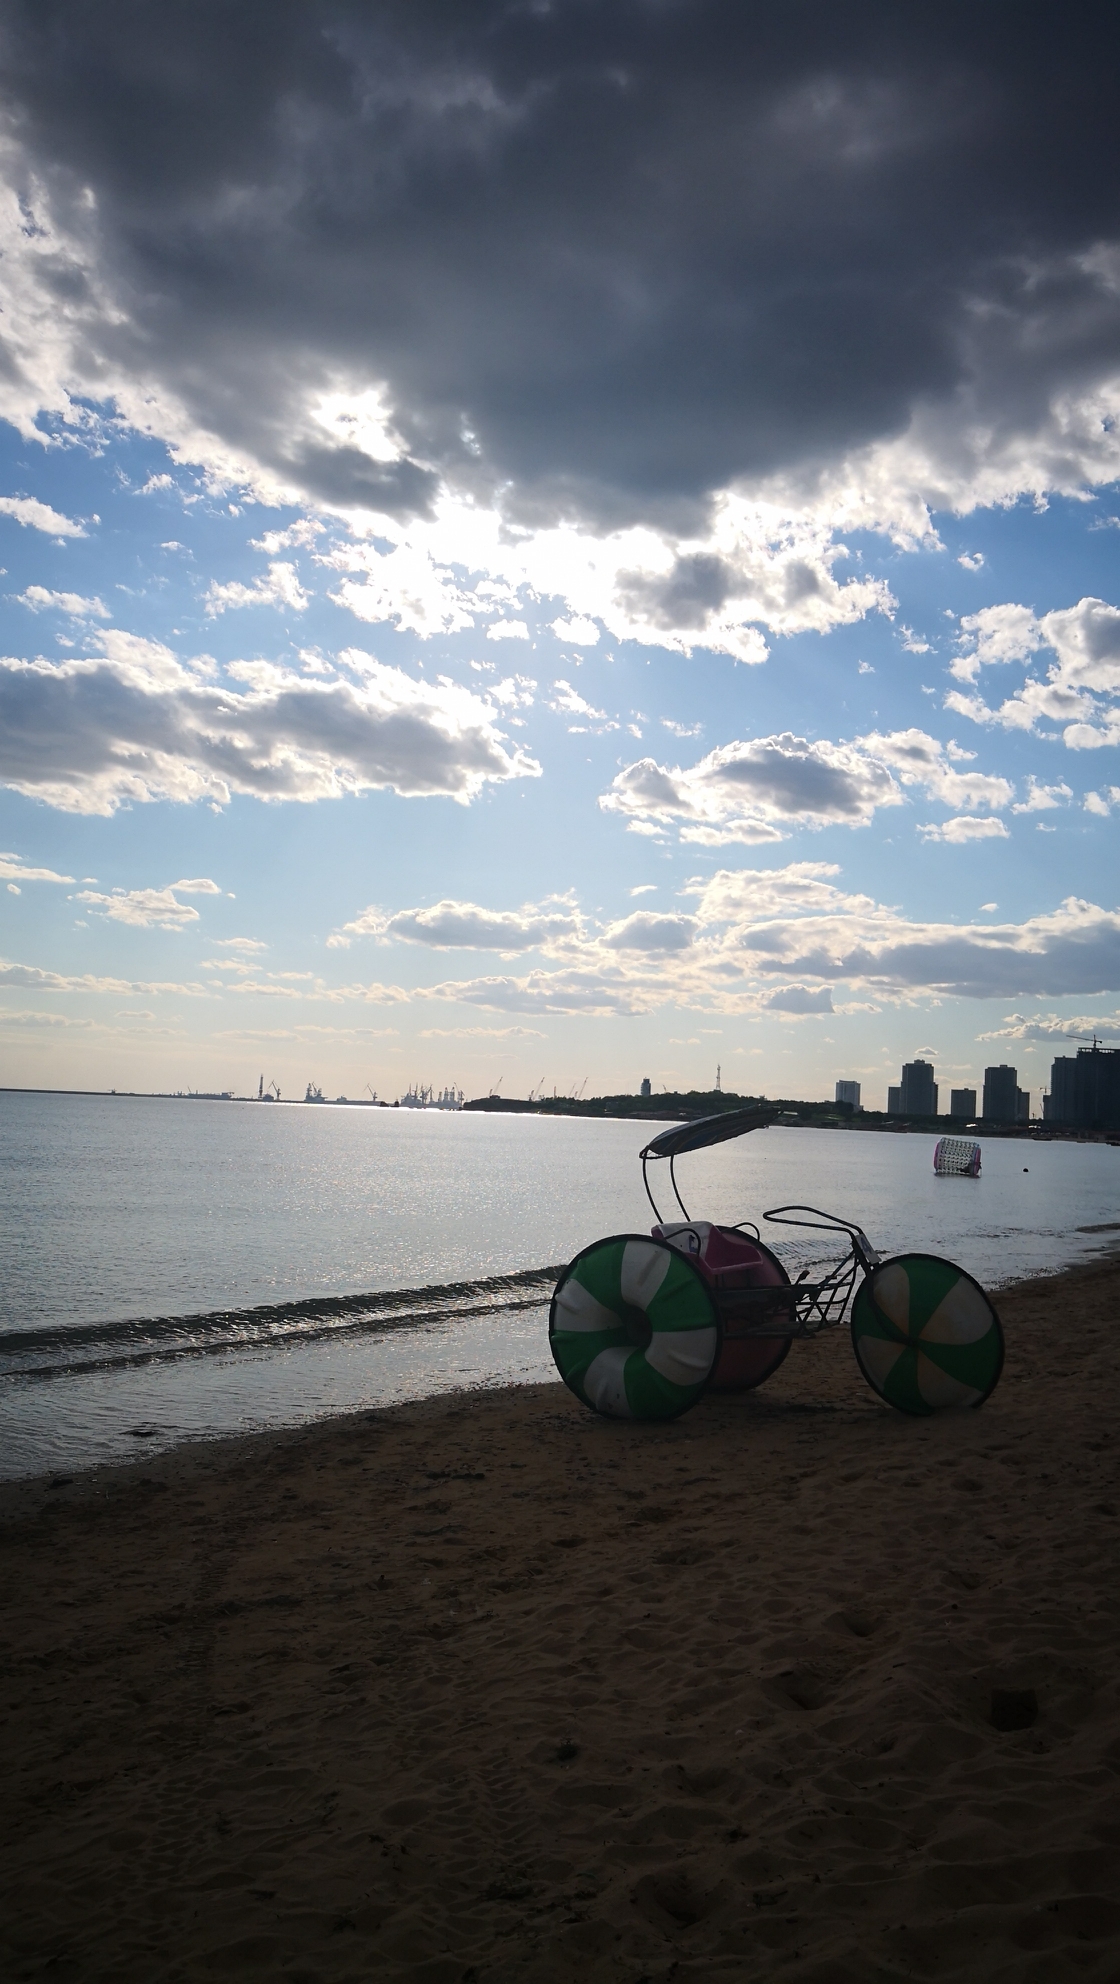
<point x="540" y="541"/>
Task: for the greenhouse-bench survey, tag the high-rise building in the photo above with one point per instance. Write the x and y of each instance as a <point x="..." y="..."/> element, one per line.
<point x="918" y="1089"/>
<point x="894" y="1102"/>
<point x="646" y="1089"/>
<point x="1060" y="1106"/>
<point x="962" y="1102"/>
<point x="848" y="1092"/>
<point x="1022" y="1105"/>
<point x="1001" y="1094"/>
<point x="1085" y="1091"/>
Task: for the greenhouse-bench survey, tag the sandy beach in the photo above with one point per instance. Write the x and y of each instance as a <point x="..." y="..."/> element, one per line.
<point x="489" y="1688"/>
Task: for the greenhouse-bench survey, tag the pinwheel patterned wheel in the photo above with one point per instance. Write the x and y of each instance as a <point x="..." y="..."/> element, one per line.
<point x="925" y="1335"/>
<point x="633" y="1329"/>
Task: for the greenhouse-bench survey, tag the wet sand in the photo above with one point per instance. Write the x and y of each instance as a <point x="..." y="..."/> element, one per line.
<point x="490" y="1689"/>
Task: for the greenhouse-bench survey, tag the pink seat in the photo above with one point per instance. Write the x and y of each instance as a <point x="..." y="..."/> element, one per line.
<point x="728" y="1260"/>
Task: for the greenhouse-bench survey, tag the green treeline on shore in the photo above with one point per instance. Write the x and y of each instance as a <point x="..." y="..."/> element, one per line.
<point x="683" y="1105"/>
<point x="670" y="1104"/>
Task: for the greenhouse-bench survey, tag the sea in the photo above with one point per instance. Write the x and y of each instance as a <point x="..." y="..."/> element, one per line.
<point x="181" y="1269"/>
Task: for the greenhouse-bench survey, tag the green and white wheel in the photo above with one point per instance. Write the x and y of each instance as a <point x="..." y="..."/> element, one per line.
<point x="633" y="1329"/>
<point x="925" y="1335"/>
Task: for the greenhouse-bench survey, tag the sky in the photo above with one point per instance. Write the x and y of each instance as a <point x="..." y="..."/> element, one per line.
<point x="546" y="544"/>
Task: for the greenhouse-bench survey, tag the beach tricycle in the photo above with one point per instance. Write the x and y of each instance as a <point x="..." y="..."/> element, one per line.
<point x="641" y="1326"/>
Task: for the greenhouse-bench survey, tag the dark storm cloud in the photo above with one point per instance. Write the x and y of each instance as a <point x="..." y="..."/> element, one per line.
<point x="617" y="255"/>
<point x="697" y="586"/>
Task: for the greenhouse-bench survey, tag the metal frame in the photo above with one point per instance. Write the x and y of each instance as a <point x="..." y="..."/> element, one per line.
<point x="804" y="1308"/>
<point x="784" y="1310"/>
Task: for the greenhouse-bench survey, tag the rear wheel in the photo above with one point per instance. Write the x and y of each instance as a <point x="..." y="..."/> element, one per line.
<point x="925" y="1335"/>
<point x="633" y="1329"/>
<point x="745" y="1362"/>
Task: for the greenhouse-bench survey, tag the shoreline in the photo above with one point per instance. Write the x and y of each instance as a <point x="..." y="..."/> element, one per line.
<point x="1107" y="1258"/>
<point x="1031" y="1132"/>
<point x="199" y="1453"/>
<point x="486" y="1687"/>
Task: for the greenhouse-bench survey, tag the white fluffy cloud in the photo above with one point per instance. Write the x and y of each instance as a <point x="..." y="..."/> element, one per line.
<point x="1080" y="691"/>
<point x="795" y="921"/>
<point x="304" y="533"/>
<point x="40" y="600"/>
<point x="1070" y="1033"/>
<point x="798" y="999"/>
<point x="1043" y="798"/>
<point x="750" y="792"/>
<point x="995" y="634"/>
<point x="581" y="633"/>
<point x="756" y="792"/>
<point x="12" y="869"/>
<point x="27" y="510"/>
<point x="450" y="925"/>
<point x="406" y="586"/>
<point x="135" y="723"/>
<point x="280" y="588"/>
<point x="481" y="1033"/>
<point x="965" y="827"/>
<point x="920" y="761"/>
<point x="777" y="941"/>
<point x="783" y="940"/>
<point x="567" y="701"/>
<point x="33" y="978"/>
<point x="646" y="931"/>
<point x="757" y="566"/>
<point x="151" y="909"/>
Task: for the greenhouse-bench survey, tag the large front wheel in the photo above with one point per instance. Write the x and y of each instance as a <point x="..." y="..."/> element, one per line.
<point x="926" y="1336"/>
<point x="633" y="1330"/>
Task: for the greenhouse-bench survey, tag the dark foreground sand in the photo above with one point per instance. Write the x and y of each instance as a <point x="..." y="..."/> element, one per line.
<point x="491" y="1689"/>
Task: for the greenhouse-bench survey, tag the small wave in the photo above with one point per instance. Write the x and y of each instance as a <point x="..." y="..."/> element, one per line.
<point x="50" y="1353"/>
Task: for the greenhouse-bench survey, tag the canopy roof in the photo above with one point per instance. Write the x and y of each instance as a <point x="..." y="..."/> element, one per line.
<point x="708" y="1130"/>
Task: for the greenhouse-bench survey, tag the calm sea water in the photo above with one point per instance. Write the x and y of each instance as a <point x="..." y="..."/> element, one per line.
<point x="173" y="1270"/>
